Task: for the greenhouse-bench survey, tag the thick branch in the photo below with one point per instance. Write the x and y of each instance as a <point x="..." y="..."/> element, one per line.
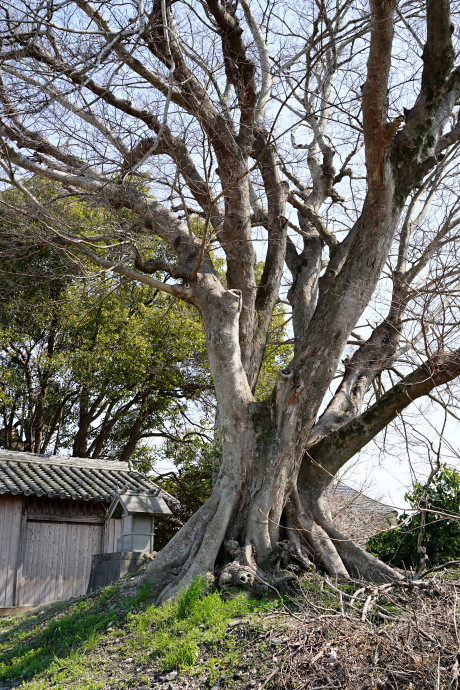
<point x="127" y="56"/>
<point x="307" y="212"/>
<point x="424" y="121"/>
<point x="268" y="289"/>
<point x="369" y="359"/>
<point x="264" y="57"/>
<point x="339" y="446"/>
<point x="240" y="70"/>
<point x="85" y="114"/>
<point x="158" y="218"/>
<point x="375" y="91"/>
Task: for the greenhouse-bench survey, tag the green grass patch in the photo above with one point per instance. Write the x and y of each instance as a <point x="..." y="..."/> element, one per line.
<point x="173" y="633"/>
<point x="35" y="650"/>
<point x="71" y="645"/>
<point x="62" y="642"/>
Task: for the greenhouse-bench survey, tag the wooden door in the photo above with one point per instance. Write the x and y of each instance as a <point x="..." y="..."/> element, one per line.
<point x="10" y="535"/>
<point x="57" y="560"/>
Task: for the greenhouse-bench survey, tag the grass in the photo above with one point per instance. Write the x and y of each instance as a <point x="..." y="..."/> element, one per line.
<point x="62" y="647"/>
<point x="60" y="641"/>
<point x="116" y="639"/>
<point x="173" y="634"/>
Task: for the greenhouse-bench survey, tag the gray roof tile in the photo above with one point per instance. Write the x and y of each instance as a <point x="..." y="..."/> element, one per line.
<point x="76" y="478"/>
<point x="358" y="501"/>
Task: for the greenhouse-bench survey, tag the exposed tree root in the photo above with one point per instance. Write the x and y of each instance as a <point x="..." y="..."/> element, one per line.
<point x="323" y="547"/>
<point x="192" y="551"/>
<point x="338" y="555"/>
<point x="291" y="551"/>
<point x="311" y="538"/>
<point x="359" y="563"/>
<point x="243" y="571"/>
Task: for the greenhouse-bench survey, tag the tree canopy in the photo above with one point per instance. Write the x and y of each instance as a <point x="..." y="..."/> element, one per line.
<point x="91" y="364"/>
<point x="319" y="138"/>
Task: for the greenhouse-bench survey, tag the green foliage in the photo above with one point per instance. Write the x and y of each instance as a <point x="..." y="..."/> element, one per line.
<point x="279" y="350"/>
<point x="95" y="365"/>
<point x="188" y="600"/>
<point x="442" y="534"/>
<point x="174" y="632"/>
<point x="91" y="364"/>
<point x="38" y="649"/>
<point x="196" y="463"/>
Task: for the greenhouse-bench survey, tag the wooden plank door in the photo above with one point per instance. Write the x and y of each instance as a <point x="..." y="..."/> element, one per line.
<point x="57" y="560"/>
<point x="10" y="532"/>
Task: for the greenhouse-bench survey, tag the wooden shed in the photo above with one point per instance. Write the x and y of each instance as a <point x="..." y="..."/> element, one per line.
<point x="54" y="517"/>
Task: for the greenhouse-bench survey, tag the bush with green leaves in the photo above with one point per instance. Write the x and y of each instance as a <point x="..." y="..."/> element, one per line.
<point x="196" y="464"/>
<point x="442" y="524"/>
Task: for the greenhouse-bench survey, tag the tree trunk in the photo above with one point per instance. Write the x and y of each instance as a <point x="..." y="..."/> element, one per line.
<point x="251" y="511"/>
<point x="80" y="444"/>
<point x="278" y="459"/>
<point x="256" y="502"/>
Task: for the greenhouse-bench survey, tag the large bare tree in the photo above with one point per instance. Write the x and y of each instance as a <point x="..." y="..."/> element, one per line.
<point x="320" y="137"/>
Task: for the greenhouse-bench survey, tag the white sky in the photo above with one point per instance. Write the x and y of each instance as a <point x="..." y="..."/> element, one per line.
<point x="387" y="476"/>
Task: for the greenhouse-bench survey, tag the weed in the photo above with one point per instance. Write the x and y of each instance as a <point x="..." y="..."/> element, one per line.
<point x="76" y="649"/>
<point x="107" y="593"/>
<point x="36" y="648"/>
<point x="181" y="655"/>
<point x="91" y="643"/>
<point x="189" y="598"/>
<point x="141" y="596"/>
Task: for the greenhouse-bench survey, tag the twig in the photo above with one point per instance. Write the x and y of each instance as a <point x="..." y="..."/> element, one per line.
<point x="439" y="567"/>
<point x="268" y="679"/>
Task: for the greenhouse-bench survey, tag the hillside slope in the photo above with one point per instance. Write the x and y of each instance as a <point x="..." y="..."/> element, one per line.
<point x="324" y="635"/>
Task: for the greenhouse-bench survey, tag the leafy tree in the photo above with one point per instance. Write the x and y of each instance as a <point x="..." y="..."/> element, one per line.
<point x="93" y="366"/>
<point x="318" y="137"/>
<point x="441" y="536"/>
<point x="196" y="461"/>
<point x="106" y="373"/>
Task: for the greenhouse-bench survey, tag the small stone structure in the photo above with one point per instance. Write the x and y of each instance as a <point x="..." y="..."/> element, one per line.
<point x="137" y="511"/>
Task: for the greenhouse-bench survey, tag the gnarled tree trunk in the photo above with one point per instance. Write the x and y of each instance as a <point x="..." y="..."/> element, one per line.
<point x="230" y="134"/>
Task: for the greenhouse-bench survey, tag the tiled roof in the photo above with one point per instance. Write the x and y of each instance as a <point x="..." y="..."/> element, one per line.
<point x="132" y="503"/>
<point x="77" y="478"/>
<point x="358" y="501"/>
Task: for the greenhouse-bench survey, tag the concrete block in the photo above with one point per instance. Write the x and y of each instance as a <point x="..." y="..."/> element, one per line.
<point x="135" y="542"/>
<point x="109" y="567"/>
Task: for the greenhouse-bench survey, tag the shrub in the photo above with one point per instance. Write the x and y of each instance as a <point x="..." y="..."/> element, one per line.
<point x="398" y="547"/>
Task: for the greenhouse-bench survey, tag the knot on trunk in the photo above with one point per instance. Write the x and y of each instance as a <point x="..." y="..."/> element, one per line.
<point x="242" y="571"/>
<point x="236" y="575"/>
<point x="232" y="548"/>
